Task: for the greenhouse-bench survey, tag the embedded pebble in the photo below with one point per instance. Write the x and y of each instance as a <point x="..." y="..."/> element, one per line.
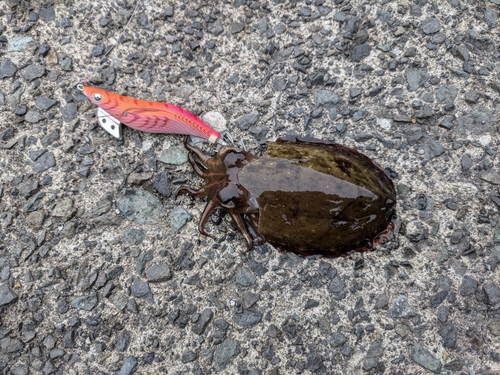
<point x="225" y="353"/>
<point x="179" y="218"/>
<point x="20" y="43"/>
<point x="7" y="295"/>
<point x="7" y="68"/>
<point x="424" y="358"/>
<point x="176" y="155"/>
<point x="139" y="206"/>
<point x="158" y="273"/>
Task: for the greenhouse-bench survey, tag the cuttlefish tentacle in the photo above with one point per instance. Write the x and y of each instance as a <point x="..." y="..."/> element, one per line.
<point x="200" y="193"/>
<point x="209" y="208"/>
<point x="197" y="167"/>
<point x="204" y="158"/>
<point x="241" y="226"/>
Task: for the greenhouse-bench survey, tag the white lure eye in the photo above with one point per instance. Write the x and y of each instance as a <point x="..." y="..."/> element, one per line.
<point x="97" y="97"/>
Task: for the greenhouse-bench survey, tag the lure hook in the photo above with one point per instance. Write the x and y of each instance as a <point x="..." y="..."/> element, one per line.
<point x="79" y="87"/>
<point x="225" y="138"/>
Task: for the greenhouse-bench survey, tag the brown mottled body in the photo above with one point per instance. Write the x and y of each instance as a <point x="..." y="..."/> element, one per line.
<point x="308" y="196"/>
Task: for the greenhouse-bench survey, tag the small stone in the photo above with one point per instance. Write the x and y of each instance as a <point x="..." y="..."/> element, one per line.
<point x="249" y="299"/>
<point x="68" y="340"/>
<point x="247" y="120"/>
<point x="7" y="135"/>
<point x="430" y="26"/>
<point x="44" y="162"/>
<point x="468" y="286"/>
<point x="237" y="27"/>
<point x="400" y="308"/>
<point x="438" y="298"/>
<point x="69" y="112"/>
<point x="64" y="210"/>
<point x="184" y="91"/>
<point x="33" y="117"/>
<point x="44" y="103"/>
<point x="35" y="219"/>
<point x="311" y="303"/>
<point x="129" y="366"/>
<point x="415" y="78"/>
<point x="225" y="353"/>
<point x="21" y="110"/>
<point x="371" y="360"/>
<point x="20" y="44"/>
<point x="188" y="356"/>
<point x="462" y="53"/>
<point x="10" y="345"/>
<point x="140" y="288"/>
<point x="133" y="236"/>
<point x="446" y="94"/>
<point x="215" y="28"/>
<point x="158" y="273"/>
<point x="66" y="22"/>
<point x="325" y="97"/>
<point x="248" y="318"/>
<point x="32" y="71"/>
<point x="466" y="162"/>
<point x="472" y="97"/>
<point x="443" y="313"/>
<point x="338" y="339"/>
<point x="146" y="76"/>
<point x="7" y="68"/>
<point x="490" y="17"/>
<point x="382" y="301"/>
<point x="494" y="327"/>
<point x="279" y="84"/>
<point x="359" y="115"/>
<point x="56" y="353"/>
<point x="492" y="293"/>
<point x="120" y="300"/>
<point x="425" y="359"/>
<point x="314" y="362"/>
<point x="176" y="155"/>
<point x="360" y="52"/>
<point x="449" y="334"/>
<point x="161" y="184"/>
<point x="430" y="148"/>
<point x="19" y="370"/>
<point x="139" y="206"/>
<point x="86" y="303"/>
<point x="7" y="295"/>
<point x="201" y="324"/>
<point x="362" y="136"/>
<point x="122" y="341"/>
<point x="244" y="277"/>
<point x="142" y="260"/>
<point x="178" y="218"/>
<point x="336" y="285"/>
<point x="48" y="14"/>
<point x="66" y="64"/>
<point x="216" y="120"/>
<point x="480" y="41"/>
<point x="28" y="188"/>
<point x="97" y="50"/>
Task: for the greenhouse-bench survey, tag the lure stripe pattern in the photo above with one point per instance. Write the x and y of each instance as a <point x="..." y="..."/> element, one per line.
<point x="152" y="117"/>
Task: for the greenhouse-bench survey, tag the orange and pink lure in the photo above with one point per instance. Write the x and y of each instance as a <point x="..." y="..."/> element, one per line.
<point x="143" y="115"/>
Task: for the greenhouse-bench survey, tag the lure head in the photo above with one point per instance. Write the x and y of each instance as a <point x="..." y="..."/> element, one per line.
<point x="102" y="99"/>
<point x="97" y="96"/>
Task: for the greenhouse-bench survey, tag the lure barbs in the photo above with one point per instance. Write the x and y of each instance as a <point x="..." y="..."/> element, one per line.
<point x="146" y="116"/>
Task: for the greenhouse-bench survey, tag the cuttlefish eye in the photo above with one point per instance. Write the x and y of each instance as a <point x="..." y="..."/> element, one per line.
<point x="97" y="97"/>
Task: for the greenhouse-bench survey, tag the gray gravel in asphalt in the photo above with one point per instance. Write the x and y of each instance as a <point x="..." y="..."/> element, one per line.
<point x="103" y="271"/>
